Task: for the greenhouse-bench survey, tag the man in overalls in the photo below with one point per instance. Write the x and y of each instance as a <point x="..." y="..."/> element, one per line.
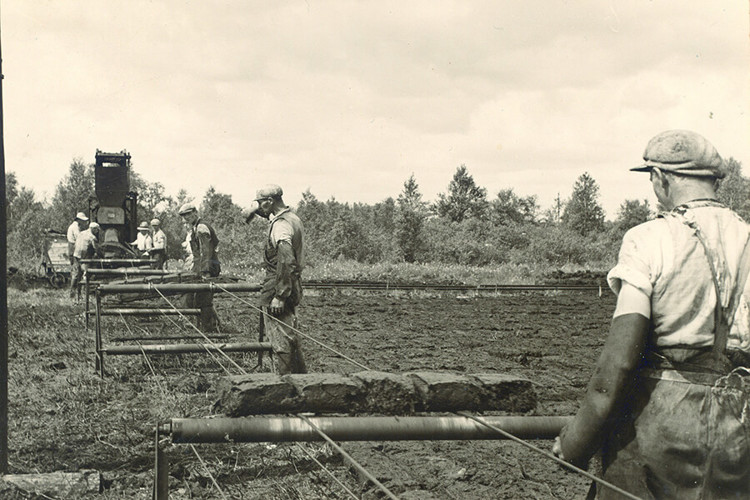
<point x="668" y="401"/>
<point x="283" y="257"/>
<point x="204" y="245"/>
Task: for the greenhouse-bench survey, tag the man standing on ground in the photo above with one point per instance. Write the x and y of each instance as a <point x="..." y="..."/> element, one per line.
<point x="74" y="229"/>
<point x="159" y="241"/>
<point x="87" y="245"/>
<point x="668" y="402"/>
<point x="282" y="290"/>
<point x="204" y="247"/>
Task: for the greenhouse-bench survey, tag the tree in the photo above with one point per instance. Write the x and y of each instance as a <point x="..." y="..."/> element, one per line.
<point x="509" y="208"/>
<point x="734" y="189"/>
<point x="72" y="193"/>
<point x="583" y="213"/>
<point x="412" y="212"/>
<point x="464" y="199"/>
<point x="632" y="213"/>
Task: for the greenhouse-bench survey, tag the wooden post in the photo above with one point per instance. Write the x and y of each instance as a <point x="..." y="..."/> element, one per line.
<point x="3" y="296"/>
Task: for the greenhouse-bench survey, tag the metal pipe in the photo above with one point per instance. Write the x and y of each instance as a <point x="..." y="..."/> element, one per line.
<point x="186" y="348"/>
<point x="142" y="262"/>
<point x="281" y="429"/>
<point x="148" y="312"/>
<point x="168" y="337"/>
<point x="177" y="287"/>
<point x="130" y="271"/>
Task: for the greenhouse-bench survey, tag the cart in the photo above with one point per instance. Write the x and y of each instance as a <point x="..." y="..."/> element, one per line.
<point x="55" y="258"/>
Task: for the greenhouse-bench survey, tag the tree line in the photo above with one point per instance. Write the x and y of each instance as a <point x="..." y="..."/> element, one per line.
<point x="463" y="226"/>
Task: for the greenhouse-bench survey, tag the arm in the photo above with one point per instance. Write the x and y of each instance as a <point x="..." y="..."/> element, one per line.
<point x="612" y="379"/>
<point x="286" y="264"/>
<point x="202" y="264"/>
<point x="282" y="234"/>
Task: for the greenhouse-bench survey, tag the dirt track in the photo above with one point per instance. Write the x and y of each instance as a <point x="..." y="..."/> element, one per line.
<point x="64" y="417"/>
<point x="552" y="338"/>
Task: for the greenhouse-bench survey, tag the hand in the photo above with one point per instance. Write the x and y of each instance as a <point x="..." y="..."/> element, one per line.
<point x="276" y="307"/>
<point x="557" y="449"/>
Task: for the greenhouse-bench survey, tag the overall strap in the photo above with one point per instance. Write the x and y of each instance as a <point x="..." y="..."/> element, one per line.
<point x="722" y="316"/>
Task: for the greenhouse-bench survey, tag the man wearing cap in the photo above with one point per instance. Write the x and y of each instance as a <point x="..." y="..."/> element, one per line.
<point x="74" y="229"/>
<point x="669" y="401"/>
<point x="281" y="292"/>
<point x="204" y="246"/>
<point x="159" y="242"/>
<point x="143" y="242"/>
<point x="87" y="245"/>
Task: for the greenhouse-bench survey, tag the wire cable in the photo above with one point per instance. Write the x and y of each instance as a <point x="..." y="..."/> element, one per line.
<point x="551" y="456"/>
<point x="349" y="458"/>
<point x="265" y="314"/>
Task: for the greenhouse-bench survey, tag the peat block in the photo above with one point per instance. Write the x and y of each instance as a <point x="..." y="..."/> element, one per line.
<point x="327" y="392"/>
<point x="506" y="392"/>
<point x="438" y="391"/>
<point x="260" y="393"/>
<point x="386" y="393"/>
<point x="373" y="392"/>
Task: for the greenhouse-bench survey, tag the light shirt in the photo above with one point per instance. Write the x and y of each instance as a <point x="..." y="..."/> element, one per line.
<point x="85" y="244"/>
<point x="282" y="230"/>
<point x="665" y="260"/>
<point x="73" y="232"/>
<point x="143" y="242"/>
<point x="159" y="240"/>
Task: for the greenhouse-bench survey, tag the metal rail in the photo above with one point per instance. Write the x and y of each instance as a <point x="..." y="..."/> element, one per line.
<point x="176" y="287"/>
<point x="438" y="287"/>
<point x="138" y="288"/>
<point x="186" y="348"/>
<point x="412" y="428"/>
<point x="147" y="312"/>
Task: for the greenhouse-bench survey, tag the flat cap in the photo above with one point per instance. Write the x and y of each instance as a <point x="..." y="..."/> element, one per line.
<point x="187" y="208"/>
<point x="81" y="216"/>
<point x="269" y="191"/>
<point x="682" y="152"/>
<point x="155" y="222"/>
<point x="94" y="225"/>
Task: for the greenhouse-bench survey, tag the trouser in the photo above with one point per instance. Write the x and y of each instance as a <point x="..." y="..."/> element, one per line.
<point x="287" y="352"/>
<point x="77" y="272"/>
<point x="685" y="436"/>
<point x="160" y="257"/>
<point x="208" y="321"/>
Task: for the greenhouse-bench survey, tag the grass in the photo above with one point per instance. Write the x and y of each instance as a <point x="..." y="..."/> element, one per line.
<point x="411" y="273"/>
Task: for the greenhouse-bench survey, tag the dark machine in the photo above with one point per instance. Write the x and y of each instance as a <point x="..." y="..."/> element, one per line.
<point x="114" y="206"/>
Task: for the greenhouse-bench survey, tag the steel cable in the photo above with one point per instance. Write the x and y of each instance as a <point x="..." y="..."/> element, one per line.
<point x="265" y="314"/>
<point x="210" y="342"/>
<point x="550" y="456"/>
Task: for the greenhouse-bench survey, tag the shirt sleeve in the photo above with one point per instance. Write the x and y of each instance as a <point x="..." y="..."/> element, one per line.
<point x="281" y="231"/>
<point x="634" y="263"/>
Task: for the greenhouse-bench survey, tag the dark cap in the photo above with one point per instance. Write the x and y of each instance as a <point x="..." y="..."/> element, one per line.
<point x="682" y="152"/>
<point x="269" y="191"/>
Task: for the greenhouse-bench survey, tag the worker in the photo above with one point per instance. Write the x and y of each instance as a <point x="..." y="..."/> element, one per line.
<point x="281" y="290"/>
<point x="159" y="241"/>
<point x="668" y="403"/>
<point x="74" y="229"/>
<point x="143" y="242"/>
<point x="204" y="247"/>
<point x="87" y="247"/>
<point x="188" y="261"/>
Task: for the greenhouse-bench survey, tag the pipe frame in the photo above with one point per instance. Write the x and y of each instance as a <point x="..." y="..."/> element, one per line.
<point x="408" y="428"/>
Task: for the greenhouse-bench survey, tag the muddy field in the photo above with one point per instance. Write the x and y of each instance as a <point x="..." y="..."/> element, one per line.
<point x="64" y="417"/>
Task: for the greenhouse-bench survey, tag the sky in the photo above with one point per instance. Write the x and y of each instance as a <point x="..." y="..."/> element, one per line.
<point x="349" y="99"/>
